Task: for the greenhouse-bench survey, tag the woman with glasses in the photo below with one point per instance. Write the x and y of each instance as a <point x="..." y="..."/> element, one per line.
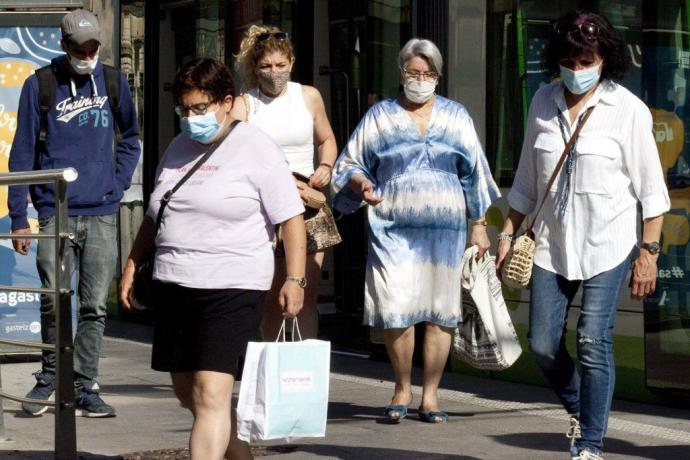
<point x="213" y="251"/>
<point x="415" y="159"/>
<point x="294" y="116"/>
<point x="586" y="233"/>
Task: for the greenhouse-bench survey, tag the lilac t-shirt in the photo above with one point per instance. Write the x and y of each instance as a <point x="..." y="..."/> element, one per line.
<point x="217" y="230"/>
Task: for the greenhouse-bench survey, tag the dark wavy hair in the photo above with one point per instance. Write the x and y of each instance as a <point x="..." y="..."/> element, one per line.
<point x="207" y="75"/>
<point x="565" y="41"/>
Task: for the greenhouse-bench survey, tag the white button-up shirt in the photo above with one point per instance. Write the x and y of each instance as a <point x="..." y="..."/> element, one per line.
<point x="616" y="166"/>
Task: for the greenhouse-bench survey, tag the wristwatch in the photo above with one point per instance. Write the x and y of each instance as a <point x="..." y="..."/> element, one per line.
<point x="654" y="247"/>
<point x="300" y="280"/>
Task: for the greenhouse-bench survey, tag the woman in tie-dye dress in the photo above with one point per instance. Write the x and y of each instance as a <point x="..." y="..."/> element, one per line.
<point x="417" y="161"/>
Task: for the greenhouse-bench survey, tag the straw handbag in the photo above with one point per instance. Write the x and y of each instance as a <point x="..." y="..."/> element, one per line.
<point x="517" y="268"/>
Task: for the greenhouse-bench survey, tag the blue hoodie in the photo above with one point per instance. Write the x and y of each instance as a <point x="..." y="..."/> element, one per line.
<point x="79" y="134"/>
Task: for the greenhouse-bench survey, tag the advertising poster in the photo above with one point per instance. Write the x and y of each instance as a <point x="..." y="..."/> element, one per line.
<point x="22" y="51"/>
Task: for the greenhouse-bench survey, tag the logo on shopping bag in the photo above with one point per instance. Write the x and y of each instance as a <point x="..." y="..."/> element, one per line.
<point x="296" y="382"/>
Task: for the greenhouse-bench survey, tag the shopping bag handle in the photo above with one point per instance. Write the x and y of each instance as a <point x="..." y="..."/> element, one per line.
<point x="295" y="326"/>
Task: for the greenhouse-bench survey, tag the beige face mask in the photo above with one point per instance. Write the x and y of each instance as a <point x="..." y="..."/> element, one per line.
<point x="273" y="82"/>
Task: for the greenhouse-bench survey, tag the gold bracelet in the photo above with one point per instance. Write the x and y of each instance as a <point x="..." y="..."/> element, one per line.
<point x="481" y="221"/>
<point x="326" y="165"/>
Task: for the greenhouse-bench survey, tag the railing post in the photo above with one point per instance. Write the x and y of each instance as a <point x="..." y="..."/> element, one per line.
<point x="3" y="438"/>
<point x="65" y="425"/>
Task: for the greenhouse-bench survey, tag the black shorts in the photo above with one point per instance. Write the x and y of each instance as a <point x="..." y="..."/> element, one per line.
<point x="203" y="329"/>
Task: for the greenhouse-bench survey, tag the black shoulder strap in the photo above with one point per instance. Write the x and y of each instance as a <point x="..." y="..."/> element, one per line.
<point x="46" y="98"/>
<point x="166" y="197"/>
<point x="112" y="87"/>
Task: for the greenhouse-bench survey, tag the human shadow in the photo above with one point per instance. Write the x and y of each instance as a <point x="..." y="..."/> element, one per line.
<point x="554" y="442"/>
<point x="494" y="389"/>
<point x="11" y="454"/>
<point x="367" y="453"/>
<point x="151" y="390"/>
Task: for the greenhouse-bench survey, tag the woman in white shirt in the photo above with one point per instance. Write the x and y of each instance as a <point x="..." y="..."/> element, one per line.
<point x="294" y="116"/>
<point x="213" y="253"/>
<point x="586" y="232"/>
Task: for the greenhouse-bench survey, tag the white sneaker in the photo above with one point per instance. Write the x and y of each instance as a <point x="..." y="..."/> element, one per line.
<point x="586" y="455"/>
<point x="574" y="430"/>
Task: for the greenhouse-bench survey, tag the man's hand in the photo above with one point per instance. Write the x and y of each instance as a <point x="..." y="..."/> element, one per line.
<point x="22" y="245"/>
<point x="644" y="274"/>
<point x="127" y="284"/>
<point x="291" y="299"/>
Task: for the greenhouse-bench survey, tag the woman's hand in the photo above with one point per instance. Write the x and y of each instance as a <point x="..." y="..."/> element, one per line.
<point x="291" y="299"/>
<point x="366" y="191"/>
<point x="480" y="239"/>
<point x="321" y="176"/>
<point x="501" y="253"/>
<point x="127" y="284"/>
<point x="302" y="190"/>
<point x="644" y="273"/>
<point x="143" y="246"/>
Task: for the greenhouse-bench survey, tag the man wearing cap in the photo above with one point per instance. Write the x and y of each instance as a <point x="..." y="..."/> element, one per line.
<point x="79" y="133"/>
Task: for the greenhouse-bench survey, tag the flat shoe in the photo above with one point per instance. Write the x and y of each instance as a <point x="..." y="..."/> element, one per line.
<point x="395" y="412"/>
<point x="433" y="417"/>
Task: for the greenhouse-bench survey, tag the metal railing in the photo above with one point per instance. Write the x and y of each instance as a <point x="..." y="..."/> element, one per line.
<point x="65" y="429"/>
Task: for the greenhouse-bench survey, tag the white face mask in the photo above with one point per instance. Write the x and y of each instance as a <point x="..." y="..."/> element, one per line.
<point x="83" y="67"/>
<point x="419" y="91"/>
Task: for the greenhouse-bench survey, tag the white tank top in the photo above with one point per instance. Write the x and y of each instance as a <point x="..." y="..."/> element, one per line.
<point x="288" y="121"/>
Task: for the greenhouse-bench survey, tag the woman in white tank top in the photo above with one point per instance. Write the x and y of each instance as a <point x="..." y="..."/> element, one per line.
<point x="294" y="116"/>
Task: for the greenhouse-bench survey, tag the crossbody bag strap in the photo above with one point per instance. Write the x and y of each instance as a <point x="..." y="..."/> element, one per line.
<point x="166" y="197"/>
<point x="561" y="160"/>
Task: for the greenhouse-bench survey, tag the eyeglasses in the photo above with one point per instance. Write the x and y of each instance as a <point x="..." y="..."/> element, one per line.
<point x="415" y="75"/>
<point x="280" y="36"/>
<point x="196" y="109"/>
<point x="587" y="30"/>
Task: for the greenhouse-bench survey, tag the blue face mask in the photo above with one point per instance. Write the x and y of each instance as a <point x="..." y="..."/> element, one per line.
<point x="580" y="81"/>
<point x="201" y="128"/>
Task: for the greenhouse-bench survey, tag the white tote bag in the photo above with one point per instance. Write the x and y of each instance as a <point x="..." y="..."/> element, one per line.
<point x="485" y="338"/>
<point x="284" y="389"/>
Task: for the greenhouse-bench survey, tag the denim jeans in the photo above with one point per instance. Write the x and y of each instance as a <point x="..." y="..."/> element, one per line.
<point x="93" y="256"/>
<point x="588" y="395"/>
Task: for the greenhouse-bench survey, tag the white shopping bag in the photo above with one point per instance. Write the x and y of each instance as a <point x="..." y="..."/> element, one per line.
<point x="284" y="390"/>
<point x="485" y="338"/>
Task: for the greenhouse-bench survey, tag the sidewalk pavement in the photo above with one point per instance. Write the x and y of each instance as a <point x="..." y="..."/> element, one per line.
<point x="489" y="419"/>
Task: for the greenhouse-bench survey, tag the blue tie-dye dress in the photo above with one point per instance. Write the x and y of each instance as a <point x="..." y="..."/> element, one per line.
<point x="430" y="185"/>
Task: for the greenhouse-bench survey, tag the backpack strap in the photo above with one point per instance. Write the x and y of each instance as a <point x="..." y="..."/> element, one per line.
<point x="46" y="98"/>
<point x="112" y="87"/>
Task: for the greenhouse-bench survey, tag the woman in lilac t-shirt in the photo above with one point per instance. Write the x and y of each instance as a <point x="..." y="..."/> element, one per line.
<point x="214" y="255"/>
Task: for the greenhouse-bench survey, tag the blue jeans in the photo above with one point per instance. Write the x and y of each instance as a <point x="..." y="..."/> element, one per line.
<point x="93" y="256"/>
<point x="589" y="395"/>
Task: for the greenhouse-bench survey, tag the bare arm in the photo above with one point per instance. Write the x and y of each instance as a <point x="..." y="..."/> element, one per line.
<point x="645" y="270"/>
<point x="323" y="137"/>
<point x="143" y="245"/>
<point x="239" y="110"/>
<point x="291" y="297"/>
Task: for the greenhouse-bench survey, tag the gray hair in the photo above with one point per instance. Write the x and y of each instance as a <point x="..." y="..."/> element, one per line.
<point x="423" y="48"/>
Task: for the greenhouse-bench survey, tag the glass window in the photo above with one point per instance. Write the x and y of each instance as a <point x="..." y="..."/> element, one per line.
<point x="132" y="65"/>
<point x="210" y="29"/>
